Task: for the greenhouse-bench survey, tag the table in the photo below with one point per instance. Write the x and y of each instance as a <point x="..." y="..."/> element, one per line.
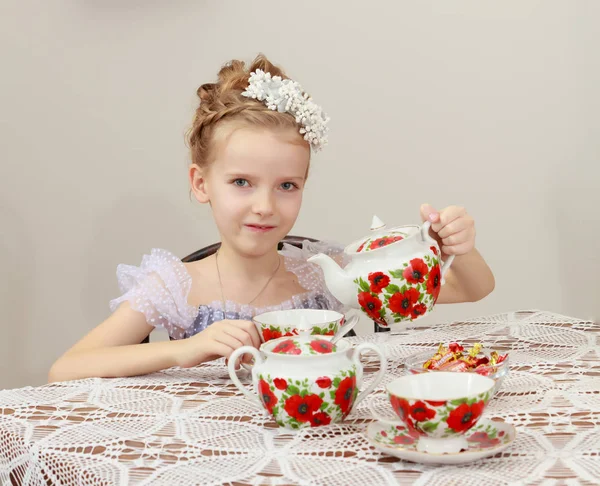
<point x="192" y="426"/>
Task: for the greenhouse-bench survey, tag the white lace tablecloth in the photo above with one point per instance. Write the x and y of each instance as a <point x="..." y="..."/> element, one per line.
<point x="193" y="426"/>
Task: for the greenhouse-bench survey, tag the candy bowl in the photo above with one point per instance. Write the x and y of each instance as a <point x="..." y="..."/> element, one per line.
<point x="438" y="409"/>
<point x="454" y="358"/>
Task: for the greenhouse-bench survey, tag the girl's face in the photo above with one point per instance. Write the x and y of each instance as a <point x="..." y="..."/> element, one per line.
<point x="254" y="187"/>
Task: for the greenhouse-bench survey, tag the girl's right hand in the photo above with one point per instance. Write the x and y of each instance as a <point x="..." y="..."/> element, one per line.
<point x="219" y="339"/>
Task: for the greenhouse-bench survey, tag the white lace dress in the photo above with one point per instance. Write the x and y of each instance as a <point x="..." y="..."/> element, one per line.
<point x="160" y="286"/>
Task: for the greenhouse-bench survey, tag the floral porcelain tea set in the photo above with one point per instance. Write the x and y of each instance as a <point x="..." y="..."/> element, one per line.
<point x="306" y="375"/>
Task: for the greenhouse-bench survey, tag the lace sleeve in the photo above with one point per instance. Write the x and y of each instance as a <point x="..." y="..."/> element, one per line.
<point x="158" y="288"/>
<point x="310" y="275"/>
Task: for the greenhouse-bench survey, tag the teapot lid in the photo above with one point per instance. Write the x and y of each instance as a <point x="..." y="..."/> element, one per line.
<point x="381" y="236"/>
<point x="300" y="346"/>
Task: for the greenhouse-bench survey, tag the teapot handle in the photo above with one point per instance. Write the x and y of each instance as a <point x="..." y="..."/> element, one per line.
<point x="252" y="396"/>
<point x="380" y="374"/>
<point x="426" y="238"/>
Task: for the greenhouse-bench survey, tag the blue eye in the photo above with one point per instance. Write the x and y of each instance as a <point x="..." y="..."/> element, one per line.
<point x="240" y="182"/>
<point x="288" y="186"/>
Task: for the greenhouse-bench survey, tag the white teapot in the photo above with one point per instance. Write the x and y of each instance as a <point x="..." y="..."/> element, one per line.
<point x="307" y="381"/>
<point x="394" y="275"/>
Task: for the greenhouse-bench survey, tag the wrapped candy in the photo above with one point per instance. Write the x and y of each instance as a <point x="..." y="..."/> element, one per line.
<point x="454" y="358"/>
<point x="443" y="357"/>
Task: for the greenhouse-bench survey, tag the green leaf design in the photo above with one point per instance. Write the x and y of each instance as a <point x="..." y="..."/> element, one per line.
<point x="458" y="402"/>
<point x="364" y="286"/>
<point x="421" y="297"/>
<point x="318" y="330"/>
<point x="332" y="395"/>
<point x="293" y="390"/>
<point x="382" y="313"/>
<point x="322" y="395"/>
<point x="336" y="382"/>
<point x="303" y="393"/>
<point x="396" y="274"/>
<point x="404" y="288"/>
<point x="392" y="288"/>
<point x="323" y="406"/>
<point x="429" y="426"/>
<point x="275" y="410"/>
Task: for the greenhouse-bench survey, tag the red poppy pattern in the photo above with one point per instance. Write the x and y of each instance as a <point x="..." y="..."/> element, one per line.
<point x="402" y="294"/>
<point x="420" y="412"/>
<point x="402" y="409"/>
<point x="280" y="383"/>
<point x="378" y="281"/>
<point x="370" y="304"/>
<point x="267" y="397"/>
<point x="439" y="418"/>
<point x="320" y="418"/>
<point x="403" y="302"/>
<point x="383" y="241"/>
<point x="287" y="347"/>
<point x="322" y="346"/>
<point x="275" y="332"/>
<point x="436" y="403"/>
<point x="323" y="382"/>
<point x="345" y="394"/>
<point x="464" y="416"/>
<point x="418" y="310"/>
<point x="484" y="440"/>
<point x="479" y="438"/>
<point x="416" y="271"/>
<point x="434" y="282"/>
<point x="269" y="334"/>
<point x="309" y="402"/>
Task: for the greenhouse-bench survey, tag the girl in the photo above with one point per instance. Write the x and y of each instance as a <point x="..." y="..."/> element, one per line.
<point x="251" y="143"/>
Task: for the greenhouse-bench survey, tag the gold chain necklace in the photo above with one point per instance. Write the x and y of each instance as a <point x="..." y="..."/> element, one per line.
<point x="257" y="295"/>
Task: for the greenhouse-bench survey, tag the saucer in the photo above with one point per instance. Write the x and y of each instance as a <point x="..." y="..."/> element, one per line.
<point x="485" y="439"/>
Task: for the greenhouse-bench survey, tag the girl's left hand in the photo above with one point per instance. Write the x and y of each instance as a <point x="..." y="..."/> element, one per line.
<point x="452" y="227"/>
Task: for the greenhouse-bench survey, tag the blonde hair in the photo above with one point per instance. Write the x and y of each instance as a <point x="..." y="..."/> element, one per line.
<point x="221" y="103"/>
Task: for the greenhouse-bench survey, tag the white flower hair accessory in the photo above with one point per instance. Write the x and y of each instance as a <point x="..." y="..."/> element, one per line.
<point x="285" y="95"/>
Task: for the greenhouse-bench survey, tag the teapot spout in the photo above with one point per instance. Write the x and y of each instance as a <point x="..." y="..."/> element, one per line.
<point x="337" y="280"/>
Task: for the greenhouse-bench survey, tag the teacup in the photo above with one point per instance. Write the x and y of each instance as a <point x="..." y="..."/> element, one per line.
<point x="328" y="324"/>
<point x="439" y="408"/>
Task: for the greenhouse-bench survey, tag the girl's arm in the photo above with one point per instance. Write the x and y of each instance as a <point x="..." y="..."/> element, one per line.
<point x="468" y="279"/>
<point x="112" y="349"/>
